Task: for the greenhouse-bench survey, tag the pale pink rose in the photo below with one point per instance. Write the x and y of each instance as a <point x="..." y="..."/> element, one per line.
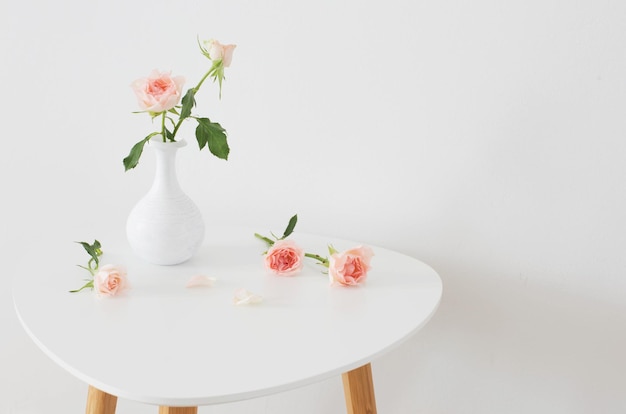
<point x="284" y="258"/>
<point x="350" y="267"/>
<point x="110" y="280"/>
<point x="218" y="51"/>
<point x="158" y="92"/>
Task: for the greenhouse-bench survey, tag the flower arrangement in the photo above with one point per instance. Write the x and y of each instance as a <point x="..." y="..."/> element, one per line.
<point x="159" y="95"/>
<point x="108" y="280"/>
<point x="285" y="258"/>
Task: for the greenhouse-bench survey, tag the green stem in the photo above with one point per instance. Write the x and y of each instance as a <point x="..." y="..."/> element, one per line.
<point x="206" y="75"/>
<point x="195" y="90"/>
<point x="180" y="121"/>
<point x="265" y="239"/>
<point x="323" y="260"/>
<point x="163" y="127"/>
<point x="89" y="269"/>
<point x="87" y="285"/>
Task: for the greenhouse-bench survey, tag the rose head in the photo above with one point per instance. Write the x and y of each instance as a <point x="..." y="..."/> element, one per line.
<point x="217" y="51"/>
<point x="284" y="258"/>
<point x="350" y="267"/>
<point x="110" y="280"/>
<point x="158" y="92"/>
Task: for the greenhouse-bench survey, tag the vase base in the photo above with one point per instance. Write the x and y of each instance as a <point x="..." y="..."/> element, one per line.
<point x="165" y="232"/>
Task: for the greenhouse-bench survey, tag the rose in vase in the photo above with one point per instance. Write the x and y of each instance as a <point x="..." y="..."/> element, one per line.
<point x="159" y="95"/>
<point x="159" y="92"/>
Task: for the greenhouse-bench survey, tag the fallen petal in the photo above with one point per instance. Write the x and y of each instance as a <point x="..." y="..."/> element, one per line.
<point x="245" y="297"/>
<point x="200" y="281"/>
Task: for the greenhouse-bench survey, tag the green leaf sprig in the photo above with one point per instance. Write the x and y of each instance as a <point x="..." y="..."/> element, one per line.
<point x="95" y="251"/>
<point x="290" y="227"/>
<point x="208" y="134"/>
<point x="288" y="231"/>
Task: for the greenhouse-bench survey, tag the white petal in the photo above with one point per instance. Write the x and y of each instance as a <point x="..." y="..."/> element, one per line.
<point x="245" y="297"/>
<point x="200" y="280"/>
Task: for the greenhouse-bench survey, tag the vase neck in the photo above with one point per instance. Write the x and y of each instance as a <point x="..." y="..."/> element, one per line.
<point x="165" y="177"/>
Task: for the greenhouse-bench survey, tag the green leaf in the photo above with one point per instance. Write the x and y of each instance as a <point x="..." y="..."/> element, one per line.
<point x="290" y="226"/>
<point x="212" y="134"/>
<point x="332" y="250"/>
<point x="188" y="101"/>
<point x="94" y="250"/>
<point x="132" y="159"/>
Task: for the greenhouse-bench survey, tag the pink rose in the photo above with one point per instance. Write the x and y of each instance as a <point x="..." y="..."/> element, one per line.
<point x="284" y="258"/>
<point x="158" y="92"/>
<point x="218" y="51"/>
<point x="110" y="280"/>
<point x="351" y="266"/>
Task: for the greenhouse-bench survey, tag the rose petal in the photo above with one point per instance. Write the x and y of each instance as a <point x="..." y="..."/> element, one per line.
<point x="245" y="297"/>
<point x="200" y="281"/>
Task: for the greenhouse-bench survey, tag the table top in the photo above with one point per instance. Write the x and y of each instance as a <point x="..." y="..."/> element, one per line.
<point x="163" y="343"/>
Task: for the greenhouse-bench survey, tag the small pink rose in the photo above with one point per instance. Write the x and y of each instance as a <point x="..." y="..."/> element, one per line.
<point x="158" y="92"/>
<point x="218" y="51"/>
<point x="350" y="267"/>
<point x="284" y="258"/>
<point x="110" y="280"/>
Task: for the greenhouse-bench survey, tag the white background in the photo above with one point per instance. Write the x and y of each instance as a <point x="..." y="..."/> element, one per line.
<point x="485" y="138"/>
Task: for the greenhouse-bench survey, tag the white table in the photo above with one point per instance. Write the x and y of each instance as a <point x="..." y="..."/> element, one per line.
<point x="165" y="344"/>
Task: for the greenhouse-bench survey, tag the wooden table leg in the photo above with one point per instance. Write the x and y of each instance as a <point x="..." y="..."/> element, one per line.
<point x="99" y="402"/>
<point x="358" y="387"/>
<point x="178" y="410"/>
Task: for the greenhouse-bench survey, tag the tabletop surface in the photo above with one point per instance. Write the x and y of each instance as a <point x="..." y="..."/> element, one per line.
<point x="163" y="343"/>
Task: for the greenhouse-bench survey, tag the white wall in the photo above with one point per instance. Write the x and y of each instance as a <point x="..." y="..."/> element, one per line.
<point x="485" y="138"/>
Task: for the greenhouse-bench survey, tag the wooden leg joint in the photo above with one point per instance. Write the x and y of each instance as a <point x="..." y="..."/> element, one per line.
<point x="358" y="387"/>
<point x="178" y="410"/>
<point x="99" y="402"/>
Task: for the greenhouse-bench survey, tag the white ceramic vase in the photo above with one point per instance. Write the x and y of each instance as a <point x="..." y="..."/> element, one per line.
<point x="165" y="227"/>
